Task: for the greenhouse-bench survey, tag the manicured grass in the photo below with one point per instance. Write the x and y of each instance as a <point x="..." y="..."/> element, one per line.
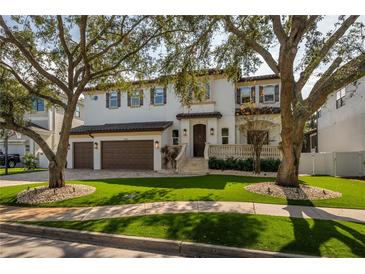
<point x="211" y="188"/>
<point x="16" y="170"/>
<point x="290" y="235"/>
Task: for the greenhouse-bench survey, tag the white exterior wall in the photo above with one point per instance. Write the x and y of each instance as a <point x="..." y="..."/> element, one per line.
<point x="343" y="129"/>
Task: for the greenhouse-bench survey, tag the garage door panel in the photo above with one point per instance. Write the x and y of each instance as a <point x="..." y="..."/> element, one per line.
<point x="127" y="154"/>
<point x="83" y="155"/>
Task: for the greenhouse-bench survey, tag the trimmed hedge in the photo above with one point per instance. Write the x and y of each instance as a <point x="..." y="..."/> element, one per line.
<point x="267" y="165"/>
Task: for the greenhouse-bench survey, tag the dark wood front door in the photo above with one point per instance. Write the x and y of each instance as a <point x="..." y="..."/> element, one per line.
<point x="199" y="139"/>
<point x="84" y="155"/>
<point x="127" y="154"/>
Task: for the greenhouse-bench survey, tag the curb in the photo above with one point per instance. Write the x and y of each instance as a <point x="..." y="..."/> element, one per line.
<point x="167" y="247"/>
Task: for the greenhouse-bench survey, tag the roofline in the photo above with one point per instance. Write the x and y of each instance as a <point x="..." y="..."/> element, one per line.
<point x="258" y="78"/>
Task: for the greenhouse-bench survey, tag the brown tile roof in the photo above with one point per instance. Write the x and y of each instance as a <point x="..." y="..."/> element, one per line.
<point x="125" y="127"/>
<point x="259" y="77"/>
<point x="263" y="110"/>
<point x="214" y="114"/>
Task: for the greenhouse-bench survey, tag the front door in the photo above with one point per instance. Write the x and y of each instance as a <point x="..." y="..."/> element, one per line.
<point x="199" y="139"/>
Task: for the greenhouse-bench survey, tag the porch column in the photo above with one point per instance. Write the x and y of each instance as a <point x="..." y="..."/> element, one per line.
<point x="238" y="135"/>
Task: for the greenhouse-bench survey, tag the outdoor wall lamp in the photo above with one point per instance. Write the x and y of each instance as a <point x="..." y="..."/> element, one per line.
<point x="157" y="144"/>
<point x="68" y="147"/>
<point x="211" y="131"/>
<point x="185" y="132"/>
<point x="96" y="145"/>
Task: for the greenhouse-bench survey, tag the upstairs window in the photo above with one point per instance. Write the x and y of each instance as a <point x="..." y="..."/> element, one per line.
<point x="38" y="104"/>
<point x="340" y="98"/>
<point x="175" y="137"/>
<point x="135" y="99"/>
<point x="159" y="97"/>
<point x="245" y="94"/>
<point x="77" y="111"/>
<point x="113" y="99"/>
<point x="225" y="136"/>
<point x="269" y="94"/>
<point x="207" y="91"/>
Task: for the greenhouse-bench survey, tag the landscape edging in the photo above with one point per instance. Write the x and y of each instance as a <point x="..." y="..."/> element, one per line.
<point x="170" y="247"/>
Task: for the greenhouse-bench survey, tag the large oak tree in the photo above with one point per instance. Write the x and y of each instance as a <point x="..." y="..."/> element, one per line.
<point x="57" y="57"/>
<point x="239" y="44"/>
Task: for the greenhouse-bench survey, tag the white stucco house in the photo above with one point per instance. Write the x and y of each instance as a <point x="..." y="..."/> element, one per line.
<point x="46" y="121"/>
<point x="126" y="130"/>
<point x="341" y="120"/>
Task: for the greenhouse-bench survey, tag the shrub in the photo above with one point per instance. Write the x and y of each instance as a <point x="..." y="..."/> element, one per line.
<point x="267" y="165"/>
<point x="30" y="161"/>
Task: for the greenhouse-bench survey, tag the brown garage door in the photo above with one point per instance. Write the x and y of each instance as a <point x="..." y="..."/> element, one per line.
<point x="127" y="154"/>
<point x="83" y="155"/>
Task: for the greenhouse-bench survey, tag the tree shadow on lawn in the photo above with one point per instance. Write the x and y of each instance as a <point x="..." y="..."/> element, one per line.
<point x="311" y="235"/>
<point x="209" y="181"/>
<point x="136" y="197"/>
<point x="229" y="229"/>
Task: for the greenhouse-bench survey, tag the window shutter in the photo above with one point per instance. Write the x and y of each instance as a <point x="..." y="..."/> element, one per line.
<point x="238" y="96"/>
<point x="152" y="96"/>
<point x="107" y="100"/>
<point x="253" y="94"/>
<point x="129" y="99"/>
<point x="141" y="98"/>
<point x="261" y="94"/>
<point x="165" y="95"/>
<point x="277" y="96"/>
<point x="118" y="95"/>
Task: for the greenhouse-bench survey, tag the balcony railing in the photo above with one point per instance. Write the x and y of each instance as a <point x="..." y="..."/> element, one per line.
<point x="241" y="151"/>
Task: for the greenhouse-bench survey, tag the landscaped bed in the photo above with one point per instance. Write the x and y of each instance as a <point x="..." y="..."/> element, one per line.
<point x="205" y="188"/>
<point x="289" y="235"/>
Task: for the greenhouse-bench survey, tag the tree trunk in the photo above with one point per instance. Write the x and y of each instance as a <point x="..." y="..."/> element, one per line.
<point x="56" y="175"/>
<point x="291" y="148"/>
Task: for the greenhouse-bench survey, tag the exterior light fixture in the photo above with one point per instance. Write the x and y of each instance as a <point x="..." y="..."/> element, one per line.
<point x="96" y="145"/>
<point x="211" y="131"/>
<point x="185" y="132"/>
<point x="157" y="144"/>
<point x="68" y="147"/>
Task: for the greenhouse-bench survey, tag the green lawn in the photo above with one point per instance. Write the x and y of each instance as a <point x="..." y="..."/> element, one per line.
<point x="210" y="187"/>
<point x="290" y="235"/>
<point x="16" y="170"/>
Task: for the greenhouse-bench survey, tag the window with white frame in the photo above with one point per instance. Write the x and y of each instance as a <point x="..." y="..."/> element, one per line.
<point x="135" y="99"/>
<point x="158" y="96"/>
<point x="225" y="136"/>
<point x="245" y="94"/>
<point x="175" y="137"/>
<point x="77" y="111"/>
<point x="37" y="104"/>
<point x="340" y="98"/>
<point x="113" y="99"/>
<point x="269" y="94"/>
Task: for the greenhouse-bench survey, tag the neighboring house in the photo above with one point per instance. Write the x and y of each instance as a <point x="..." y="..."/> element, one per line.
<point x="341" y="122"/>
<point x="126" y="130"/>
<point x="46" y="121"/>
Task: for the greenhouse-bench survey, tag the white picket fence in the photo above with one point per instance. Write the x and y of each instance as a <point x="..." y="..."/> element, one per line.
<point x="349" y="164"/>
<point x="241" y="151"/>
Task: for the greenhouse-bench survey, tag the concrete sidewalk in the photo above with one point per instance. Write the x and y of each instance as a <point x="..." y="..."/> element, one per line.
<point x="9" y="213"/>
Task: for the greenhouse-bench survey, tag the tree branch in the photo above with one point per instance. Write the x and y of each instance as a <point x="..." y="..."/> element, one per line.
<point x="31" y="59"/>
<point x="317" y="59"/>
<point x="278" y="29"/>
<point x="265" y="54"/>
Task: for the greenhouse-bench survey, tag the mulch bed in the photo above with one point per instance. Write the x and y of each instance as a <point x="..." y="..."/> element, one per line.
<point x="303" y="192"/>
<point x="44" y="194"/>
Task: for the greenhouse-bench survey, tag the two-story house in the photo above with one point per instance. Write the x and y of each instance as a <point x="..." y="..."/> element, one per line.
<point x="341" y="120"/>
<point x="47" y="122"/>
<point x="126" y="130"/>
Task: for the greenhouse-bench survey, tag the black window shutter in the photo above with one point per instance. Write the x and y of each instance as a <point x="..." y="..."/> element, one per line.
<point x="129" y="99"/>
<point x="152" y="96"/>
<point x="141" y="97"/>
<point x="107" y="100"/>
<point x="261" y="94"/>
<point x="277" y="96"/>
<point x="253" y="94"/>
<point x="165" y="95"/>
<point x="238" y="96"/>
<point x="118" y="95"/>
